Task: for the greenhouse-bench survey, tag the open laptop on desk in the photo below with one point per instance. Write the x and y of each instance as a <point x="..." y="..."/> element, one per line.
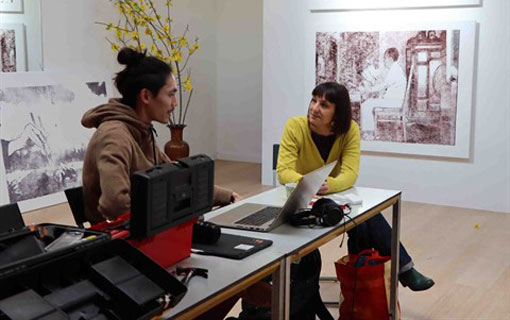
<point x="264" y="218"/>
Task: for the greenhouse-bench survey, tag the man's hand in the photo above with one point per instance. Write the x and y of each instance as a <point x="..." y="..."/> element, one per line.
<point x="323" y="189"/>
<point x="235" y="197"/>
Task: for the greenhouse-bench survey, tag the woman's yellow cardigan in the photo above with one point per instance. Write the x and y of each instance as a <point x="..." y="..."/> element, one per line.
<point x="299" y="155"/>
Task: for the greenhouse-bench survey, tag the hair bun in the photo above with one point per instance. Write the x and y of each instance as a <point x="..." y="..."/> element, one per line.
<point x="129" y="56"/>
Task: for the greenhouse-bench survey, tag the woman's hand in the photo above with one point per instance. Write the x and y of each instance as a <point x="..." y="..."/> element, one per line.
<point x="323" y="189"/>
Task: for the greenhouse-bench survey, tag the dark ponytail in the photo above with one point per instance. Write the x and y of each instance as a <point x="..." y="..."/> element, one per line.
<point x="141" y="71"/>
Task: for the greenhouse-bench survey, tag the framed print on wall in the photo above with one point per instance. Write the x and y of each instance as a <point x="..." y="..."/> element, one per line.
<point x="410" y="85"/>
<point x="12" y="47"/>
<point x="11" y="6"/>
<point x="387" y="4"/>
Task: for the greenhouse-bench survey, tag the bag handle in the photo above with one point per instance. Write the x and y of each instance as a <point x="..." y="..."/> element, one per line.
<point x="369" y="252"/>
<point x="370" y="256"/>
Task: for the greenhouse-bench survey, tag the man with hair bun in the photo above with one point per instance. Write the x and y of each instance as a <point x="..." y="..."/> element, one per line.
<point x="124" y="140"/>
<point x="124" y="143"/>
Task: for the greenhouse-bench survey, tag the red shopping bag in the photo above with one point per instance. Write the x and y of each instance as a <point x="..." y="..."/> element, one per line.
<point x="364" y="285"/>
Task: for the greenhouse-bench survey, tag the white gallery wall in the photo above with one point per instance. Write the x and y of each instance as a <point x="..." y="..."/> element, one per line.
<point x="481" y="182"/>
<point x="239" y="80"/>
<point x="224" y="118"/>
<point x="72" y="42"/>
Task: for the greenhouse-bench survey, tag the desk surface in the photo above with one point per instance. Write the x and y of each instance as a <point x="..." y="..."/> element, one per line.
<point x="234" y="275"/>
<point x="288" y="239"/>
<point x="224" y="274"/>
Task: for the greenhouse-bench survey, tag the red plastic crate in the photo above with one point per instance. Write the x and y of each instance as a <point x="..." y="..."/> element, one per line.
<point x="169" y="246"/>
<point x="166" y="248"/>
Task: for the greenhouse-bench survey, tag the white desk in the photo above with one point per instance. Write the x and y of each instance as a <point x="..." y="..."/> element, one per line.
<point x="227" y="277"/>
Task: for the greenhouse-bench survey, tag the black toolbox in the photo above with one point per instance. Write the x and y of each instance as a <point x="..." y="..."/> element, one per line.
<point x="93" y="277"/>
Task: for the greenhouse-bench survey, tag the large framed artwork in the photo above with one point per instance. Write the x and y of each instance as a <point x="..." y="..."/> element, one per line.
<point x="388" y="4"/>
<point x="12" y="47"/>
<point x="42" y="140"/>
<point x="410" y="85"/>
<point x="11" y="6"/>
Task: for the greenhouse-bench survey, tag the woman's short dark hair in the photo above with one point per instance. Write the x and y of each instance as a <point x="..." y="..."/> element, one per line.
<point x="141" y="71"/>
<point x="339" y="96"/>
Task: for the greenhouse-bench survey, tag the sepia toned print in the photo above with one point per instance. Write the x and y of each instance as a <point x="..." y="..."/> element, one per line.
<point x="7" y="50"/>
<point x="403" y="84"/>
<point x="42" y="141"/>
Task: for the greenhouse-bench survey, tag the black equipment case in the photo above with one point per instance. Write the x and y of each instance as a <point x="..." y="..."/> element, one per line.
<point x="51" y="271"/>
<point x="170" y="194"/>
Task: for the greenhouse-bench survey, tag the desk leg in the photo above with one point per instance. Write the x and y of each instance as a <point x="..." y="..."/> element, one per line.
<point x="281" y="291"/>
<point x="395" y="242"/>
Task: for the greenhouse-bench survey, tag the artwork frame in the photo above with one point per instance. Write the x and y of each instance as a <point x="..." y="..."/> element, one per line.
<point x="466" y="68"/>
<point x="18" y="29"/>
<point x="11" y="6"/>
<point x="347" y="5"/>
<point x="35" y="101"/>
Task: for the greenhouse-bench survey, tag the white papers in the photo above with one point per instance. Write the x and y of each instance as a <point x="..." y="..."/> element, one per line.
<point x="343" y="199"/>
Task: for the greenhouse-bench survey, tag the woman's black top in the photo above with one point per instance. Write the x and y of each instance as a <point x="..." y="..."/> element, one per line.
<point x="324" y="144"/>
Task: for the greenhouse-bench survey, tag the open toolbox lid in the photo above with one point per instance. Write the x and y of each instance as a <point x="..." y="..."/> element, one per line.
<point x="113" y="280"/>
<point x="22" y="246"/>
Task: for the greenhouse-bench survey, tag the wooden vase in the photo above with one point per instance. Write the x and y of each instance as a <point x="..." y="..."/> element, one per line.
<point x="176" y="148"/>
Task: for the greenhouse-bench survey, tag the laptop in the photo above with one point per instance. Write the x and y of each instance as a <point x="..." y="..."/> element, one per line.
<point x="264" y="218"/>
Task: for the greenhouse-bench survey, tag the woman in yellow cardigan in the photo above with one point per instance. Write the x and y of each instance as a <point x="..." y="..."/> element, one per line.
<point x="328" y="133"/>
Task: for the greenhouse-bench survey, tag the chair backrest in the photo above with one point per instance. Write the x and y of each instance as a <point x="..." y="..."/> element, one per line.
<point x="10" y="218"/>
<point x="77" y="203"/>
<point x="276" y="149"/>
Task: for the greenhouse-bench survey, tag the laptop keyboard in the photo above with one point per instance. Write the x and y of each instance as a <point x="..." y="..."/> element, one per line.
<point x="260" y="217"/>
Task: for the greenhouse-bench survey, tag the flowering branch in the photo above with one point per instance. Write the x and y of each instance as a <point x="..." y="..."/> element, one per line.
<point x="144" y="29"/>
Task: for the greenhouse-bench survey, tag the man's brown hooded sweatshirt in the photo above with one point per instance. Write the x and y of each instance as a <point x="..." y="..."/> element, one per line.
<point x="121" y="145"/>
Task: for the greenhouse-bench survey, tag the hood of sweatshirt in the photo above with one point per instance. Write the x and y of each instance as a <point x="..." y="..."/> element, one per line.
<point x="114" y="110"/>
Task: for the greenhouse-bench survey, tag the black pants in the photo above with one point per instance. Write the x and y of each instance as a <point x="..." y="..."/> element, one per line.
<point x="375" y="233"/>
<point x="305" y="299"/>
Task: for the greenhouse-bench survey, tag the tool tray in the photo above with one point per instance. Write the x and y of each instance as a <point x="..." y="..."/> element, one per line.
<point x="51" y="271"/>
<point x="23" y="247"/>
<point x="111" y="280"/>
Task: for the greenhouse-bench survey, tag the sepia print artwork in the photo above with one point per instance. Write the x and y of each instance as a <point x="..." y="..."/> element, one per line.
<point x="7" y="50"/>
<point x="12" y="47"/>
<point x="42" y="141"/>
<point x="404" y="86"/>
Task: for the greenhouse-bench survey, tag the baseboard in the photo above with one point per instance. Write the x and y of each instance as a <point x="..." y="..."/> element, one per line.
<point x="253" y="158"/>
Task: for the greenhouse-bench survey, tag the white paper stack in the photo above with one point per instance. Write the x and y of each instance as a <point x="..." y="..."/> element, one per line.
<point x="343" y="199"/>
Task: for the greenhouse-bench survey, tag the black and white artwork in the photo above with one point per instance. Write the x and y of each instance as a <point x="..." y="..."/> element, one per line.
<point x="12" y="47"/>
<point x="403" y="84"/>
<point x="42" y="141"/>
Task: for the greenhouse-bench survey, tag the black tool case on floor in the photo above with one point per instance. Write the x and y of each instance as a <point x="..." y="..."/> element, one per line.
<point x="52" y="271"/>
